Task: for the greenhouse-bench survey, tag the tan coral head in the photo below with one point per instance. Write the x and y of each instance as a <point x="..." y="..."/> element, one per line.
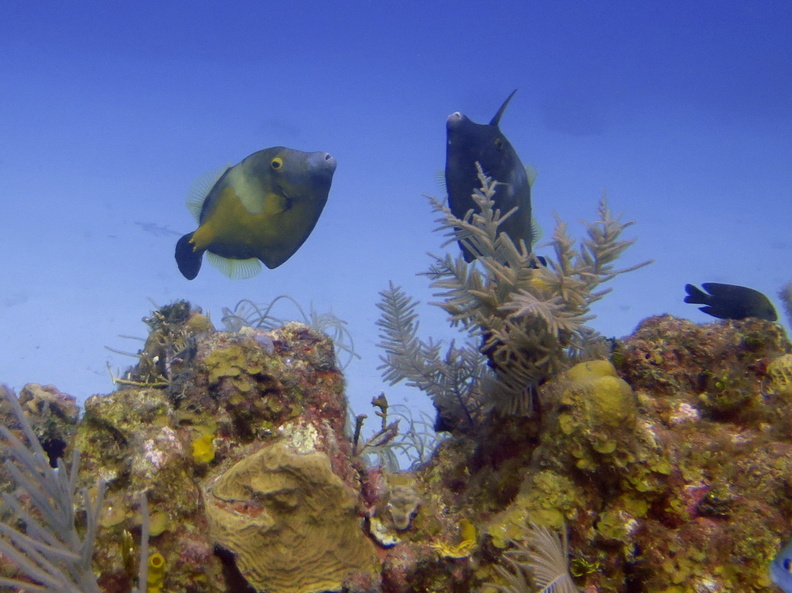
<point x="289" y="520"/>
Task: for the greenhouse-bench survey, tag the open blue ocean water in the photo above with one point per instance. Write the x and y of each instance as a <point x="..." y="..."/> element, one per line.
<point x="680" y="111"/>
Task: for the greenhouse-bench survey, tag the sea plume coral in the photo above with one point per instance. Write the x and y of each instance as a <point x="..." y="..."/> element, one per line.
<point x="452" y="379"/>
<point x="50" y="551"/>
<point x="527" y="313"/>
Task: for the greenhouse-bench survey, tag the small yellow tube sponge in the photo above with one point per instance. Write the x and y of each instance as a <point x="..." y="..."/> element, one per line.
<point x="156" y="573"/>
<point x="203" y="450"/>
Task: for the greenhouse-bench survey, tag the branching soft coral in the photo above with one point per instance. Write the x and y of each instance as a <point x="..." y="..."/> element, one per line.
<point x="528" y="312"/>
<point x="452" y="379"/>
<point x="42" y="538"/>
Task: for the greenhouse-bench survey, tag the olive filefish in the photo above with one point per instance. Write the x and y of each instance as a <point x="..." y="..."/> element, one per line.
<point x="469" y="143"/>
<point x="260" y="210"/>
<point x="730" y="301"/>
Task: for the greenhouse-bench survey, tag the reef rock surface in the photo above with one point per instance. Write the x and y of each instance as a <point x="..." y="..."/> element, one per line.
<point x="670" y="465"/>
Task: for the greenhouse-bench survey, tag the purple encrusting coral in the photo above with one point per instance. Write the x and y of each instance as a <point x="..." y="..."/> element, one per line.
<point x="670" y="465"/>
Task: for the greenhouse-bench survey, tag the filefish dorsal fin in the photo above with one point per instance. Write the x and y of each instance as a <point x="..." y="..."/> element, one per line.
<point x="496" y="120"/>
<point x="200" y="189"/>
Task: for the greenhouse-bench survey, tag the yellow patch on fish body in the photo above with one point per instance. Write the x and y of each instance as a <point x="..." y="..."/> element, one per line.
<point x="262" y="209"/>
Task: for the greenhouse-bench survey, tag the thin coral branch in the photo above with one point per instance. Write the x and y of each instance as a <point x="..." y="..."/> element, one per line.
<point x="451" y="380"/>
<point x="246" y="313"/>
<point x="50" y="551"/>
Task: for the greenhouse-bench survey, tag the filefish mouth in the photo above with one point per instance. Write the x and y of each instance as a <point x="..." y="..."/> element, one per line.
<point x="455" y="120"/>
<point x="323" y="166"/>
<point x="329" y="161"/>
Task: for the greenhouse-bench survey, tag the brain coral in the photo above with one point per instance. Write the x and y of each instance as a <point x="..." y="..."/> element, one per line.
<point x="289" y="520"/>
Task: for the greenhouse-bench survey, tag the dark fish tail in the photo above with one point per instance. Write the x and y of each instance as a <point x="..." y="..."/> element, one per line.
<point x="187" y="258"/>
<point x="496" y="119"/>
<point x="696" y="296"/>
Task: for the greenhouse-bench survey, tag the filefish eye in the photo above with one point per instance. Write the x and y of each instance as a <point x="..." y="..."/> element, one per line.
<point x="787" y="565"/>
<point x="499" y="143"/>
<point x="276" y="163"/>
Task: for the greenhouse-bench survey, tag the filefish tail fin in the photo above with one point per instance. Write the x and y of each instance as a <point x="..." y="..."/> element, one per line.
<point x="496" y="119"/>
<point x="187" y="258"/>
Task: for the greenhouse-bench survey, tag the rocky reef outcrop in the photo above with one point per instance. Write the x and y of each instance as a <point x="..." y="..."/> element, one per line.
<point x="670" y="465"/>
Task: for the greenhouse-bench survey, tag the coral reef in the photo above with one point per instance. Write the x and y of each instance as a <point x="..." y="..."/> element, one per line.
<point x="246" y="313"/>
<point x="669" y="466"/>
<point x="198" y="404"/>
<point x="673" y="481"/>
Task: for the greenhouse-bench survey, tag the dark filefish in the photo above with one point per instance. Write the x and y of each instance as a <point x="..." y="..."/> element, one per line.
<point x="469" y="143"/>
<point x="260" y="210"/>
<point x="729" y="301"/>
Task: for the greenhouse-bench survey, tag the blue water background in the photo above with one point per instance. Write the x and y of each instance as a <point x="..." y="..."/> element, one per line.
<point x="680" y="111"/>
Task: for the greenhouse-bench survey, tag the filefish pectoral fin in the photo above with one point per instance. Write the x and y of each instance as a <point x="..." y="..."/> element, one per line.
<point x="188" y="258"/>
